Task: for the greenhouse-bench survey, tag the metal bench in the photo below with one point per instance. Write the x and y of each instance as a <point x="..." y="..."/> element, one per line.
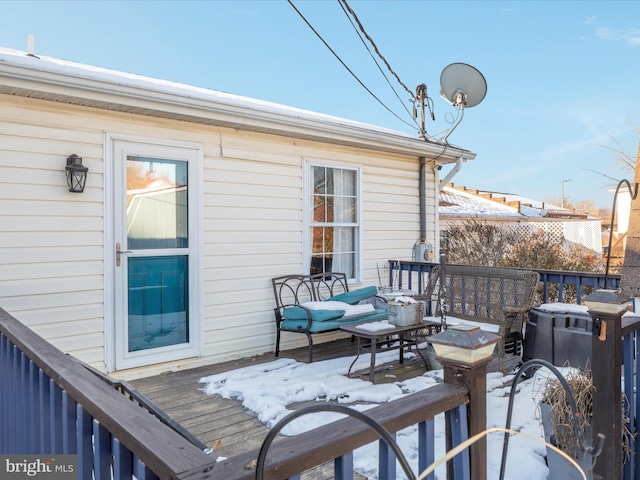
<point x="293" y="291"/>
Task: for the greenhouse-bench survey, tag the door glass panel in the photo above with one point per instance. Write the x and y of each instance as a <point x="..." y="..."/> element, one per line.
<point x="156" y="203"/>
<point x="158" y="301"/>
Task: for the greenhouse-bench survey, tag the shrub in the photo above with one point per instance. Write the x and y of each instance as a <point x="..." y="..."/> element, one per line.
<point x="476" y="242"/>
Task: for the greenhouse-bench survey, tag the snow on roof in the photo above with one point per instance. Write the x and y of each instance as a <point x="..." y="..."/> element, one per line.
<point x="471" y="203"/>
<point x="459" y="203"/>
<point x="54" y="71"/>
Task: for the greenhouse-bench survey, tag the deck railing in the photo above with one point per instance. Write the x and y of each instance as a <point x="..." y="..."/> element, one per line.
<point x="569" y="286"/>
<point x="631" y="383"/>
<point x="291" y="456"/>
<point x="50" y="404"/>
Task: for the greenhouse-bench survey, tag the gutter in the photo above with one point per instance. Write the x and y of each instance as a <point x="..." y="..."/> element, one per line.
<point x="77" y="84"/>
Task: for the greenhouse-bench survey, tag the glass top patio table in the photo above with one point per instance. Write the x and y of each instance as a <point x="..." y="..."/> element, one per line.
<point x="396" y="337"/>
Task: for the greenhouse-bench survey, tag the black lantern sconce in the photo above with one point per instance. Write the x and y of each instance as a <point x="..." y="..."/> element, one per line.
<point x="76" y="173"/>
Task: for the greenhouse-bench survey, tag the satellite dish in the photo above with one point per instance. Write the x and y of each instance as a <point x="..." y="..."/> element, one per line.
<point x="462" y="85"/>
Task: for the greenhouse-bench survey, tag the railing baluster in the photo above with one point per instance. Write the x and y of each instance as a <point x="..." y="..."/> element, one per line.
<point x="21" y="393"/>
<point x="84" y="442"/>
<point x="122" y="461"/>
<point x="343" y="467"/>
<point x="386" y="461"/>
<point x="43" y="406"/>
<point x="629" y="400"/>
<point x="458" y="435"/>
<point x="426" y="443"/>
<point x="101" y="452"/>
<point x="561" y="289"/>
<point x="4" y="393"/>
<point x="55" y="417"/>
<point x="68" y="424"/>
<point x="33" y="419"/>
<point x="13" y="407"/>
<point x="545" y="287"/>
<point x="636" y="412"/>
<point x="141" y="471"/>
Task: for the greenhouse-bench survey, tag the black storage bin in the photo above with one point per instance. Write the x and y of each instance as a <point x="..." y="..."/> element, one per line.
<point x="559" y="337"/>
<point x="572" y="341"/>
<point x="538" y="336"/>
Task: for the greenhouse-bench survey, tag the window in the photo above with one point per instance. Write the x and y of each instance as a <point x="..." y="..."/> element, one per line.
<point x="333" y="204"/>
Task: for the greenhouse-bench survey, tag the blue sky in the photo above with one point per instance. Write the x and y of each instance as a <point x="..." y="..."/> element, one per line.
<point x="562" y="76"/>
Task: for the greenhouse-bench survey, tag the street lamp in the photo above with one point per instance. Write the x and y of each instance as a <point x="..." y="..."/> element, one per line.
<point x="563" y="182"/>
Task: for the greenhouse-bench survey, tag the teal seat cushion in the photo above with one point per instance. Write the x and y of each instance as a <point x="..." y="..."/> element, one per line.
<point x="298" y="313"/>
<point x="356" y="296"/>
<point x="329" y="325"/>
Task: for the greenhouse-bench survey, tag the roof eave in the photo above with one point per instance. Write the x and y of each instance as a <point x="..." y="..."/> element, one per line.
<point x="62" y="87"/>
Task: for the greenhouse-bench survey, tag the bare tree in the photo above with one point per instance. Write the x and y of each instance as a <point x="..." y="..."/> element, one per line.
<point x="630" y="282"/>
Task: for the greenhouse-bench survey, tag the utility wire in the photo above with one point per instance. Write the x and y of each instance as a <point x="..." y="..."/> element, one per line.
<point x="345" y="65"/>
<point x="421" y="96"/>
<point x="375" y="47"/>
<point x="349" y="13"/>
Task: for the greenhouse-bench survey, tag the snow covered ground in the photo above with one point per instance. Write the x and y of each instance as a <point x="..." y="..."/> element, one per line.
<point x="267" y="389"/>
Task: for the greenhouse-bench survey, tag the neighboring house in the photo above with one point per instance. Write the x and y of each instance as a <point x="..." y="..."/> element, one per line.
<point x="194" y="199"/>
<point x="458" y="204"/>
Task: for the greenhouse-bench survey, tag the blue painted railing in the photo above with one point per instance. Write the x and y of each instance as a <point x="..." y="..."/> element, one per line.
<point x="631" y="365"/>
<point x="50" y="405"/>
<point x="414" y="276"/>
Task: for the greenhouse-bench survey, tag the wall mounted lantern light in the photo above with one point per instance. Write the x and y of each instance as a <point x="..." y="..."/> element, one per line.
<point x="76" y="173"/>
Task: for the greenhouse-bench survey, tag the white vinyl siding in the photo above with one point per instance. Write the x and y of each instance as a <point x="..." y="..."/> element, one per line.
<point x="52" y="242"/>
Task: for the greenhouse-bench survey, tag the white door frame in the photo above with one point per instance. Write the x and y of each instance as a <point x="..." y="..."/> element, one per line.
<point x="115" y="357"/>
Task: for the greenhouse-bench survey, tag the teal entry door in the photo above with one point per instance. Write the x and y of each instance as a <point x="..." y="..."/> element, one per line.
<point x="154" y="311"/>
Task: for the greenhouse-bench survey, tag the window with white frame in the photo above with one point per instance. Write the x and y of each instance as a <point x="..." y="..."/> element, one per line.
<point x="333" y="226"/>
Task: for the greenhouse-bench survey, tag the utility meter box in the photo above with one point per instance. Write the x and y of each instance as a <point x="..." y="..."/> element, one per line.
<point x="423" y="252"/>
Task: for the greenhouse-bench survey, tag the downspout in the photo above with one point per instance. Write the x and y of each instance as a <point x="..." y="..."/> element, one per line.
<point x="423" y="201"/>
<point x="456" y="168"/>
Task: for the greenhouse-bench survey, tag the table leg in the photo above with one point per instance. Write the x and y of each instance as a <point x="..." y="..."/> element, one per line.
<point x="417" y="342"/>
<point x="354" y="360"/>
<point x="372" y="367"/>
<point x="401" y="339"/>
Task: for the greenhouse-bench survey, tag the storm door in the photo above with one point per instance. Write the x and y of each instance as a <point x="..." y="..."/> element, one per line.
<point x="154" y="254"/>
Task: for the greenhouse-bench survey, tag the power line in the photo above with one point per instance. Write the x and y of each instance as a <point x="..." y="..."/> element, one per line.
<point x="375" y="47"/>
<point x="347" y="11"/>
<point x="345" y="65"/>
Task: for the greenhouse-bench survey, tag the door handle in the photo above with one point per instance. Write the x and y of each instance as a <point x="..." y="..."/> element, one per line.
<point x="119" y="254"/>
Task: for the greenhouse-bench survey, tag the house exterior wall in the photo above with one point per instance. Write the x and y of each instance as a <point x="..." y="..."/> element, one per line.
<point x="54" y="274"/>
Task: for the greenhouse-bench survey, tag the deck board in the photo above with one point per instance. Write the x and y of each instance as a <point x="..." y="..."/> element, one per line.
<point x="214" y="420"/>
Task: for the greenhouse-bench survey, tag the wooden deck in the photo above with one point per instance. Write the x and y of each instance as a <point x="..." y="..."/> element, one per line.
<point x="225" y="424"/>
